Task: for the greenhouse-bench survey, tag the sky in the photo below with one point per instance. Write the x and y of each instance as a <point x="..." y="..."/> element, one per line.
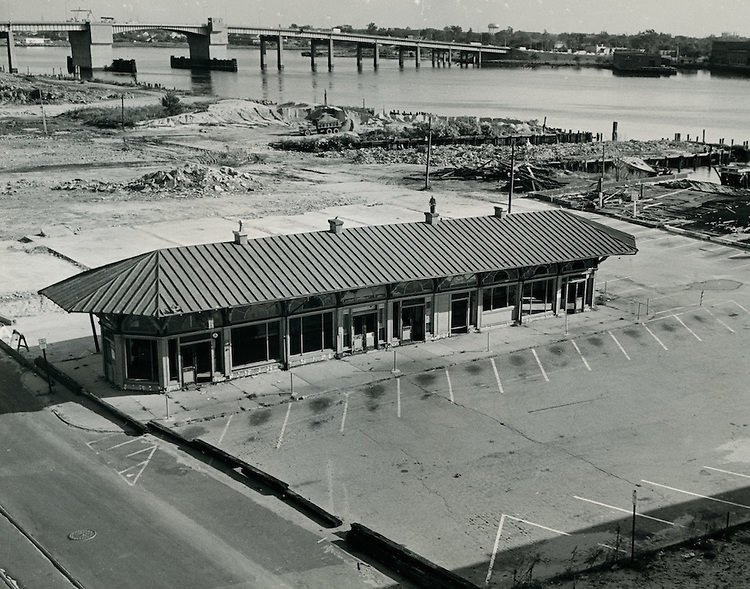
<point x="697" y="18"/>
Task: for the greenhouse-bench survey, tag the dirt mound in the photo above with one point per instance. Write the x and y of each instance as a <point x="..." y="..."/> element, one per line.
<point x="236" y="113"/>
<point x="191" y="178"/>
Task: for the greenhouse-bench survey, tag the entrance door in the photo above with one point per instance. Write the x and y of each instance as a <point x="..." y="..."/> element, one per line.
<point x="412" y="323"/>
<point x="365" y="328"/>
<point x="460" y="314"/>
<point x="196" y="362"/>
<point x="576" y="296"/>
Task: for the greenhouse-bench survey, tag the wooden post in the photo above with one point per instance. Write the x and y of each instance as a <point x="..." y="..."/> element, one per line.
<point x="93" y="331"/>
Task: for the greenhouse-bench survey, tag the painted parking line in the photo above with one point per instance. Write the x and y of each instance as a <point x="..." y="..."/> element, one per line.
<point x="450" y="386"/>
<point x="707" y="310"/>
<point x="741" y="307"/>
<point x="343" y="414"/>
<point x="668" y="311"/>
<point x="133" y="473"/>
<point x="654" y="336"/>
<point x="224" y="431"/>
<point x="96" y="441"/>
<point x="695" y="494"/>
<point x="283" y="425"/>
<point x="122" y="444"/>
<point x="496" y="545"/>
<point x="629" y="511"/>
<point x="737" y="474"/>
<point x="695" y="335"/>
<point x="619" y="345"/>
<point x="539" y="363"/>
<point x="497" y="376"/>
<point x="585" y="363"/>
<point x="398" y="397"/>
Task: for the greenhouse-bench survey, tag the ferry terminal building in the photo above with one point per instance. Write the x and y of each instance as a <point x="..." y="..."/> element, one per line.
<point x="207" y="313"/>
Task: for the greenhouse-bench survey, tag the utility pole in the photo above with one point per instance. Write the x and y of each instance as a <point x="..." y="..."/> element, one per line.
<point x="512" y="171"/>
<point x="429" y="150"/>
<point x="122" y="111"/>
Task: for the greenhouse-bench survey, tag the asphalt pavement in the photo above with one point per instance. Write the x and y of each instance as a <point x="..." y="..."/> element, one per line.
<point x="117" y="510"/>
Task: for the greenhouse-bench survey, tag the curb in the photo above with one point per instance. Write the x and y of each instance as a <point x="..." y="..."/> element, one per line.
<point x="397" y="557"/>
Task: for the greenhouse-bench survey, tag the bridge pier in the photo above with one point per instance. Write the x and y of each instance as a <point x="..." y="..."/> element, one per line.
<point x="359" y="57"/>
<point x="11" y="51"/>
<point x="417" y="56"/>
<point x="450" y="57"/>
<point x="330" y="55"/>
<point x="313" y="47"/>
<point x="263" y="63"/>
<point x="280" y="52"/>
<point x="401" y="57"/>
<point x="376" y="55"/>
<point x="91" y="49"/>
<point x="433" y="57"/>
<point x="479" y="58"/>
<point x="212" y="45"/>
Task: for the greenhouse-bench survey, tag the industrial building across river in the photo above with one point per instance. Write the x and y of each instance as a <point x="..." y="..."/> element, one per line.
<point x="205" y="313"/>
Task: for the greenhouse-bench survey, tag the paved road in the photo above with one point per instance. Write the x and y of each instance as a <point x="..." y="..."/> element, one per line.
<point x="120" y="511"/>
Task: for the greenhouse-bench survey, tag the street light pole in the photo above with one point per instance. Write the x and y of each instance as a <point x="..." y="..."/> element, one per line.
<point x="512" y="172"/>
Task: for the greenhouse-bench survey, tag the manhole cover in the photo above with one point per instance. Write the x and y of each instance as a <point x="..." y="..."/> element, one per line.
<point x="81" y="535"/>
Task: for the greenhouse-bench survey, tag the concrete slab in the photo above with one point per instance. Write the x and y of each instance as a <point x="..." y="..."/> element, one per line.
<point x="104" y="246"/>
<point x="196" y="231"/>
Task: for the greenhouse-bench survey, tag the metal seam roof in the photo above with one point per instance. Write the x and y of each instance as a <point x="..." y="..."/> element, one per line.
<point x="210" y="276"/>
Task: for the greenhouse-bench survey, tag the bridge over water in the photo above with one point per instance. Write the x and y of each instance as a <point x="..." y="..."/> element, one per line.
<point x="91" y="43"/>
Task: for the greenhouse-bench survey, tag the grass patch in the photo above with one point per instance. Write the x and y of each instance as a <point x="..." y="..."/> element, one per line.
<point x="113" y="117"/>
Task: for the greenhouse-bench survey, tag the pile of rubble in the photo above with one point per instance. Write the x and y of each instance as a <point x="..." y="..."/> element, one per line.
<point x="28" y="89"/>
<point x="191" y="178"/>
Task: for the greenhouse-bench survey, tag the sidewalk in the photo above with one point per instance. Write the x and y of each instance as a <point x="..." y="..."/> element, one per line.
<point x="78" y="360"/>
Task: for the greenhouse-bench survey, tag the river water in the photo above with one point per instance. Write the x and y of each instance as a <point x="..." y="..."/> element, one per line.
<point x="583" y="99"/>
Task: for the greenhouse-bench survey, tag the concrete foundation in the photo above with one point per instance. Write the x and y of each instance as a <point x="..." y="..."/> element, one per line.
<point x="91" y="49"/>
<point x="12" y="63"/>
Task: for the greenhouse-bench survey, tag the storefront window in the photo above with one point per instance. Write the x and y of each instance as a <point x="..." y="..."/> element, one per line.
<point x="310" y="333"/>
<point x="538" y="296"/>
<point x="141" y="359"/>
<point x="499" y="297"/>
<point x="255" y="343"/>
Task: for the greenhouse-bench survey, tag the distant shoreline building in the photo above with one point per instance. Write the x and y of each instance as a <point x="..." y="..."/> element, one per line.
<point x="207" y="313"/>
<point x="730" y="55"/>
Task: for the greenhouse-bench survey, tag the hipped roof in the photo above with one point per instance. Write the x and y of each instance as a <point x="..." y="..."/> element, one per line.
<point x="211" y="276"/>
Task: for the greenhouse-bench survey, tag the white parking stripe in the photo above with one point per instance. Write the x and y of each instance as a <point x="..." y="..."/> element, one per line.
<point x="539" y="363"/>
<point x="494" y="549"/>
<point x="398" y="397"/>
<point x="122" y="444"/>
<point x="737" y="474"/>
<point x="654" y="336"/>
<point x="450" y="386"/>
<point x="619" y="345"/>
<point x="283" y="426"/>
<point x="224" y="431"/>
<point x="527" y="522"/>
<point x="585" y="363"/>
<point x="740" y="306"/>
<point x="696" y="494"/>
<point x="656" y="519"/>
<point x="343" y="415"/>
<point x="497" y="375"/>
<point x="695" y="335"/>
<point x="707" y="310"/>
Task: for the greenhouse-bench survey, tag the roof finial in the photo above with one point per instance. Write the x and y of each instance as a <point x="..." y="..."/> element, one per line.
<point x="433" y="204"/>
